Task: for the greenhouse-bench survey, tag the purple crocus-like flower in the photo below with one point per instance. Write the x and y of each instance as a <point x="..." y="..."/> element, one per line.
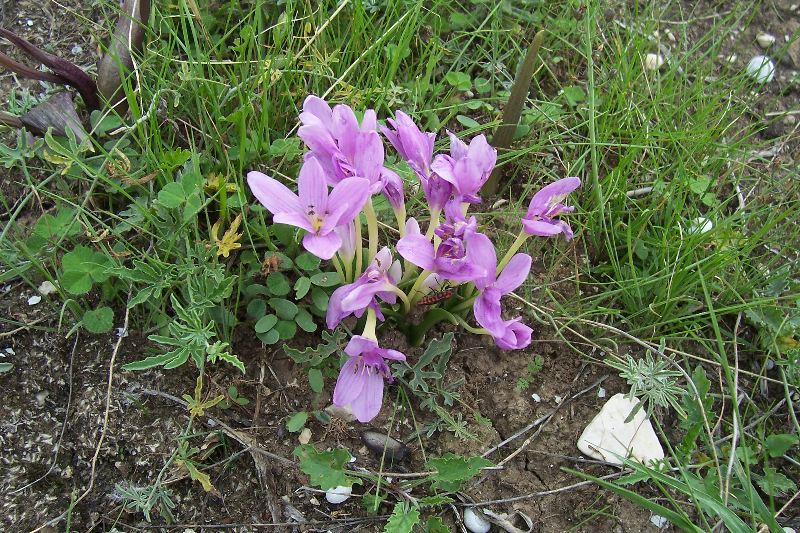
<point x="313" y="209"/>
<point x="467" y="167"/>
<point x="360" y="382"/>
<point x="453" y="259"/>
<point x="546" y="205"/>
<point x="393" y="188"/>
<point x="343" y="147"/>
<point x="437" y="191"/>
<point x="508" y="334"/>
<point x="413" y="145"/>
<point x="378" y="281"/>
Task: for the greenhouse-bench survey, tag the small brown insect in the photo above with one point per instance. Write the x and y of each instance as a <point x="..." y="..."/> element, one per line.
<point x="271" y="263"/>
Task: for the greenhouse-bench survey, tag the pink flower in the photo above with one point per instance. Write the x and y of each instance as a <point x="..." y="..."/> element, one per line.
<point x="313" y="209"/>
<point x="360" y="382"/>
<point x="467" y="167"/>
<point x="546" y="205"/>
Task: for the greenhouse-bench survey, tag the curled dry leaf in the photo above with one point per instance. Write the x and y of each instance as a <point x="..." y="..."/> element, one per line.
<point x="57" y="112"/>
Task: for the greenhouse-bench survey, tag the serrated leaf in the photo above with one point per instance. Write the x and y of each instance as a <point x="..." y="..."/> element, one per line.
<point x="371" y="502"/>
<point x="285" y="309"/>
<point x="403" y="519"/>
<point x="452" y="470"/>
<point x="436" y="525"/>
<point x="315" y="380"/>
<point x="265" y="323"/>
<point x="436" y="500"/>
<point x="775" y="483"/>
<point x="325" y="469"/>
<point x="201" y="477"/>
<point x="278" y="284"/>
<point x="778" y="445"/>
<point x="231" y="359"/>
<point x="314" y="356"/>
<point x="296" y="421"/>
<point x="171" y="195"/>
<point x="99" y="320"/>
<point x="150" y="362"/>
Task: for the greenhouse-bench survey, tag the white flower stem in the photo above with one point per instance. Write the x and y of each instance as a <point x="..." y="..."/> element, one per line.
<point x="369" y="327"/>
<point x="359" y="247"/>
<point x="412" y="294"/>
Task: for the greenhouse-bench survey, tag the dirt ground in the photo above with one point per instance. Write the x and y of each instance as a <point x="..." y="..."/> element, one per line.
<point x="54" y="410"/>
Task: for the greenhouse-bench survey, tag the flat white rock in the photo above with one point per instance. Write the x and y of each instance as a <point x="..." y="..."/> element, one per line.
<point x="608" y="434"/>
<point x="338" y="494"/>
<point x="761" y="68"/>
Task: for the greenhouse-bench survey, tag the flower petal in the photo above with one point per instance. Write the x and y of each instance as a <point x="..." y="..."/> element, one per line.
<point x="481" y="252"/>
<point x="350" y="382"/>
<point x="312" y="186"/>
<point x="346" y="200"/>
<point x="517" y="336"/>
<point x="323" y="246"/>
<point x="296" y="219"/>
<point x="514" y="273"/>
<point x="416" y="248"/>
<point x="359" y="344"/>
<point x="368" y="403"/>
<point x="541" y="228"/>
<point x="335" y="313"/>
<point x="542" y="200"/>
<point x="487" y="312"/>
<point x="272" y="194"/>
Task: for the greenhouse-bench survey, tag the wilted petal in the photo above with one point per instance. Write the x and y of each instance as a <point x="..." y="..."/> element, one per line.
<point x="323" y="246"/>
<point x="272" y="194"/>
<point x="514" y="273"/>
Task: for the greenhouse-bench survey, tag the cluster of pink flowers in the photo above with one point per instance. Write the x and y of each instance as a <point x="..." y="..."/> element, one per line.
<point x="348" y="157"/>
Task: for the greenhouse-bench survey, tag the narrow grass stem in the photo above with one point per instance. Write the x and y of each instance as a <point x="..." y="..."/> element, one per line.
<point x="516" y="245"/>
<point x="372" y="230"/>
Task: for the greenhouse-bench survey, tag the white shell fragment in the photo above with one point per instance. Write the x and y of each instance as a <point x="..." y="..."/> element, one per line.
<point x="659" y="521"/>
<point x="46" y="288"/>
<point x="35" y="299"/>
<point x="701" y="225"/>
<point x="653" y="61"/>
<point x="338" y="494"/>
<point x="305" y="436"/>
<point x="608" y="434"/>
<point x="761" y="68"/>
<point x="765" y="40"/>
<point x="475" y="522"/>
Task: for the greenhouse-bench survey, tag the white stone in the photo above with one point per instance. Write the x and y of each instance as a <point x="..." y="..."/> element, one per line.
<point x="659" y="521"/>
<point x="761" y="68"/>
<point x="608" y="434"/>
<point x="35" y="299"/>
<point x="601" y="392"/>
<point x="653" y="61"/>
<point x="305" y="436"/>
<point x="46" y="288"/>
<point x="765" y="40"/>
<point x="536" y="397"/>
<point x="701" y="225"/>
<point x="787" y="529"/>
<point x="338" y="494"/>
<point x="475" y="522"/>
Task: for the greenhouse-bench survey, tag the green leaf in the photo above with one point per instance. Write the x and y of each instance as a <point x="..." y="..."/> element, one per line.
<point x="315" y="380"/>
<point x="297" y="421"/>
<point x="150" y="362"/>
<point x="326" y="279"/>
<point x="305" y="321"/>
<point x="270" y="337"/>
<point x="278" y="284"/>
<point x="403" y="519"/>
<point x="301" y="287"/>
<point x="255" y="289"/>
<point x="314" y="356"/>
<point x="459" y="80"/>
<point x="76" y="282"/>
<point x="171" y="195"/>
<point x="436" y="525"/>
<point x="285" y="309"/>
<point x="483" y="85"/>
<point x="699" y="184"/>
<point x="256" y="308"/>
<point x="436" y="500"/>
<point x="371" y="502"/>
<point x="778" y="445"/>
<point x="468" y="122"/>
<point x="775" y="483"/>
<point x="201" y="477"/>
<point x="307" y="261"/>
<point x="99" y="320"/>
<point x="82" y="267"/>
<point x="320" y="299"/>
<point x="325" y="469"/>
<point x="574" y="95"/>
<point x="266" y="323"/>
<point x="286" y="329"/>
<point x="452" y="470"/>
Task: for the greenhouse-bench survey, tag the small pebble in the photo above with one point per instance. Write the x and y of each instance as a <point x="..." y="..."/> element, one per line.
<point x="122" y="332"/>
<point x="770" y="364"/>
<point x="35" y="299"/>
<point x="653" y="61"/>
<point x="761" y="68"/>
<point x="732" y="58"/>
<point x="670" y="35"/>
<point x="41" y="397"/>
<point x="77" y="49"/>
<point x="601" y="392"/>
<point x="305" y="436"/>
<point x="701" y="225"/>
<point x="658" y="521"/>
<point x="10" y="351"/>
<point x="765" y="40"/>
<point x="46" y="288"/>
<point x="338" y="495"/>
<point x="536" y="397"/>
<point x="475" y="522"/>
<point x="558" y="399"/>
<point x="313" y="501"/>
<point x="29" y="22"/>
